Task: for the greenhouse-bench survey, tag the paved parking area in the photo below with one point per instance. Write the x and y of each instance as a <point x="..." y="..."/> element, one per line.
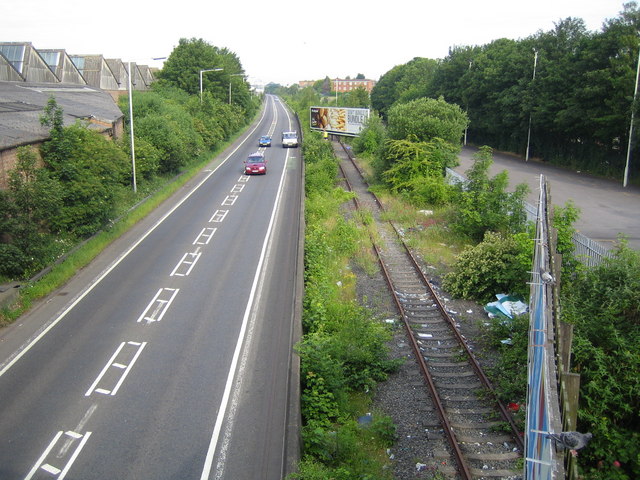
<point x="606" y="207"/>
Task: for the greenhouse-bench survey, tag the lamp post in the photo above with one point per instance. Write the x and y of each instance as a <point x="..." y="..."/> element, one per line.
<point x="208" y="70"/>
<point x="133" y="150"/>
<point x="535" y="62"/>
<point x="466" y="128"/>
<point x="234" y="75"/>
<point x="633" y="104"/>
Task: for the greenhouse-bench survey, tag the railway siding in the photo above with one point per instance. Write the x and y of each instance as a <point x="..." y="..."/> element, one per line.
<point x="462" y="425"/>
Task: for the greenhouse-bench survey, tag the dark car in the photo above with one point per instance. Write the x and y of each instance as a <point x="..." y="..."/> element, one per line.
<point x="265" y="141"/>
<point x="255" y="164"/>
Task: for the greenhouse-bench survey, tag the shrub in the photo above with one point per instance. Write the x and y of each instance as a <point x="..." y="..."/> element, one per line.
<point x="407" y="160"/>
<point x="603" y="303"/>
<point x="176" y="140"/>
<point x="13" y="261"/>
<point x="510" y="372"/>
<point x="563" y="220"/>
<point x="320" y="164"/>
<point x="371" y="137"/>
<point x="499" y="264"/>
<point x="166" y="124"/>
<point x="432" y="191"/>
<point x="91" y="169"/>
<point x="147" y="158"/>
<point x="483" y="204"/>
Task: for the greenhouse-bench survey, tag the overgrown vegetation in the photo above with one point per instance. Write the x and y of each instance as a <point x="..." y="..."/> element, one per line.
<point x="80" y="181"/>
<point x="343" y="352"/>
<point x="602" y="302"/>
<point x="510" y="339"/>
<point x="500" y="263"/>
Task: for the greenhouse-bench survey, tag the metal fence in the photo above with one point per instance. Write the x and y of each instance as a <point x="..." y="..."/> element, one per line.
<point x="589" y="252"/>
<point x="543" y="411"/>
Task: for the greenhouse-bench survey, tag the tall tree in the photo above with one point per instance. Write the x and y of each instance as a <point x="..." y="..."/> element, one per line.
<point x="425" y="119"/>
<point x="384" y="94"/>
<point x="358" y="97"/>
<point x="186" y="62"/>
<point x="501" y="75"/>
<point x="403" y="83"/>
<point x="416" y="80"/>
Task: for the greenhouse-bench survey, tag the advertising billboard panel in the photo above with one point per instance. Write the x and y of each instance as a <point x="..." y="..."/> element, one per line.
<point x="339" y="120"/>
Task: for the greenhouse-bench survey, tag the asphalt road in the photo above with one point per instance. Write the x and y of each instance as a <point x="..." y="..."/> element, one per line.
<point x="169" y="356"/>
<point x="606" y="207"/>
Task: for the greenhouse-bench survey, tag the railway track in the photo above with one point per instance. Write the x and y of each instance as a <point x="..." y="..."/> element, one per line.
<point x="477" y="438"/>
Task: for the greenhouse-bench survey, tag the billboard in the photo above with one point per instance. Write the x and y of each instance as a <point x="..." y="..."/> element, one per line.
<point x="339" y="120"/>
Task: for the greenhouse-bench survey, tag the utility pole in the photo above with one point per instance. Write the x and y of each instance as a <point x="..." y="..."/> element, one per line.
<point x="535" y="62"/>
<point x="633" y="107"/>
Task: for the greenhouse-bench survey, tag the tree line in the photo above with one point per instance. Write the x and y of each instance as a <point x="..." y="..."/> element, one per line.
<point x="83" y="181"/>
<point x="567" y="93"/>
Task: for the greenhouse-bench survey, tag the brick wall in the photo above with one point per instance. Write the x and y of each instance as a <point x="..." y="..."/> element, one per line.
<point x="8" y="161"/>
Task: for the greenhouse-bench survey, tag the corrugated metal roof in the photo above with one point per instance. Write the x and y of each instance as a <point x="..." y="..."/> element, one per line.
<point x="20" y="126"/>
<point x="60" y="63"/>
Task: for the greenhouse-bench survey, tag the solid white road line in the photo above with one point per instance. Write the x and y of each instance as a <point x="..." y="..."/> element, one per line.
<point x="227" y="409"/>
<point x="31" y="342"/>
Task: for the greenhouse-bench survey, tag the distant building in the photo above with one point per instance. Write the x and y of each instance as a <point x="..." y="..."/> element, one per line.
<point x="21" y="62"/>
<point x="342" y="85"/>
<point x="86" y="87"/>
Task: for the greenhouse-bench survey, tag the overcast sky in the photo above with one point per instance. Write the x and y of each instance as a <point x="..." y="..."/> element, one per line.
<point x="286" y="41"/>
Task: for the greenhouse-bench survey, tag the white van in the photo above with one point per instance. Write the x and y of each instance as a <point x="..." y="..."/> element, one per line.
<point x="289" y="139"/>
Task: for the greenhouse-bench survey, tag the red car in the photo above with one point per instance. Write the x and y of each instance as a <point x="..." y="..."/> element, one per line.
<point x="256" y="164"/>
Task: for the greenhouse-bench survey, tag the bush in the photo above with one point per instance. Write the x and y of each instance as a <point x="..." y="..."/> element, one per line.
<point x="177" y="140"/>
<point x="510" y="372"/>
<point x="483" y="204"/>
<point x="416" y="170"/>
<point x="499" y="264"/>
<point x="604" y="305"/>
<point x="372" y="136"/>
<point x="147" y="158"/>
<point x="563" y="220"/>
<point x="428" y="191"/>
<point x="90" y="169"/>
<point x="408" y="159"/>
<point x="13" y="261"/>
<point x="162" y="120"/>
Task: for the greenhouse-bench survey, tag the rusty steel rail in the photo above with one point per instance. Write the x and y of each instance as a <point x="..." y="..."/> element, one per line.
<point x="448" y="430"/>
<point x="506" y="416"/>
<point x="463" y="467"/>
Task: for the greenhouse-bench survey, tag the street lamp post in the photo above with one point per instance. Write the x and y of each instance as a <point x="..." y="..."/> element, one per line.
<point x="208" y="70"/>
<point x="535" y="62"/>
<point x="635" y="94"/>
<point x="466" y="128"/>
<point x="133" y="150"/>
